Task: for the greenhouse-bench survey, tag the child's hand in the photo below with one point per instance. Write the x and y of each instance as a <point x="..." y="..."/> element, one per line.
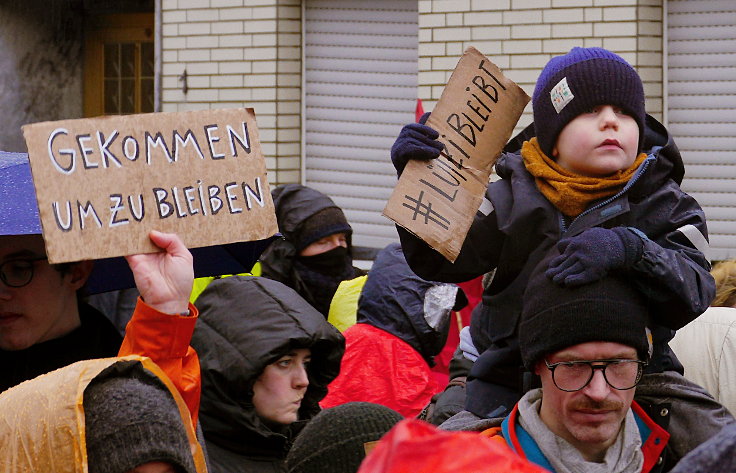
<point x="589" y="256"/>
<point x="416" y="141"/>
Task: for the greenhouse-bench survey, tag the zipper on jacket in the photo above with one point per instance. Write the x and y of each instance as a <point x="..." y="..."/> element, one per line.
<point x="639" y="172"/>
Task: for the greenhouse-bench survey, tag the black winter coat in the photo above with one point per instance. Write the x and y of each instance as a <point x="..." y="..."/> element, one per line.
<point x="96" y="337"/>
<point x="245" y="324"/>
<point x="522" y="226"/>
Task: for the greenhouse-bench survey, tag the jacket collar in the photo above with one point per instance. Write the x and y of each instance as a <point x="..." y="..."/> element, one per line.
<point x="654" y="439"/>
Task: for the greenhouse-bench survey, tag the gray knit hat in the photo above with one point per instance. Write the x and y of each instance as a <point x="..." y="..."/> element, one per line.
<point x="334" y="440"/>
<point x="131" y="421"/>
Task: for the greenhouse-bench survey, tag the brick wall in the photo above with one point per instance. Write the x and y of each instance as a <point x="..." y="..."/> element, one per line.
<point x="520" y="36"/>
<point x="248" y="53"/>
<point x="239" y="53"/>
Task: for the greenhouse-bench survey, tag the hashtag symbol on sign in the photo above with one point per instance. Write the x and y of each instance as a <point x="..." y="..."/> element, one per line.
<point x="425" y="210"/>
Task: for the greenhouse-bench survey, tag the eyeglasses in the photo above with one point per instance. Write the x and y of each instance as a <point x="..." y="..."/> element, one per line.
<point x="620" y="374"/>
<point x="18" y="272"/>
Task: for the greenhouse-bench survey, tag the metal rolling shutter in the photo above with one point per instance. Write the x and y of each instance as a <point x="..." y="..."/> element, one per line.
<point x="701" y="106"/>
<point x="360" y="89"/>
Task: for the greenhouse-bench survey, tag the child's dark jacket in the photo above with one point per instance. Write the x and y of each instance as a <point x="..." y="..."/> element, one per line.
<point x="520" y="226"/>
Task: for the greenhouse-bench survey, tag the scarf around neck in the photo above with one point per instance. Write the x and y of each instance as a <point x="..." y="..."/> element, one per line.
<point x="569" y="192"/>
<point x="624" y="456"/>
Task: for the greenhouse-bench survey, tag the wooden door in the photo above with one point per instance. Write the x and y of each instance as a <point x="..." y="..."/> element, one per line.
<point x="119" y="64"/>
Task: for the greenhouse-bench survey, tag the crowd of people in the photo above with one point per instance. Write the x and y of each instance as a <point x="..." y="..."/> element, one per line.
<point x="586" y="353"/>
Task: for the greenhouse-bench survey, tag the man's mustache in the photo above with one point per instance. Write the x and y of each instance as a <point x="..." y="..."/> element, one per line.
<point x="591" y="404"/>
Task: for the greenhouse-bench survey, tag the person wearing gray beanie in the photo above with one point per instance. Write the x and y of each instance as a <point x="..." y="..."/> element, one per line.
<point x="338" y="439"/>
<point x="107" y="415"/>
<point x="131" y="421"/>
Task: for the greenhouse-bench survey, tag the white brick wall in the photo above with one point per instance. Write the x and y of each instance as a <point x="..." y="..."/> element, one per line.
<point x="239" y="53"/>
<point x="520" y="36"/>
<point x="248" y="53"/>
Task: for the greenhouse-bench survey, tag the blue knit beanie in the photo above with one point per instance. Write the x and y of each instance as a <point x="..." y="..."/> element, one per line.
<point x="579" y="81"/>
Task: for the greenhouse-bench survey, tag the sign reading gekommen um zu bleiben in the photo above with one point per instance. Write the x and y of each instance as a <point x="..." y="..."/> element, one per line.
<point x="103" y="183"/>
<point x="475" y="116"/>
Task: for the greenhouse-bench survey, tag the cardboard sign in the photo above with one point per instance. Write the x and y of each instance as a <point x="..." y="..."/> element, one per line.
<point x="475" y="116"/>
<point x="368" y="447"/>
<point x="103" y="183"/>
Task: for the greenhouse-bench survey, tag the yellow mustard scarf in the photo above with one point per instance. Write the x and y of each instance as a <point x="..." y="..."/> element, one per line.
<point x="571" y="193"/>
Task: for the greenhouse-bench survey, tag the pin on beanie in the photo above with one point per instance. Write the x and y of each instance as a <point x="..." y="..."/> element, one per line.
<point x="578" y="81"/>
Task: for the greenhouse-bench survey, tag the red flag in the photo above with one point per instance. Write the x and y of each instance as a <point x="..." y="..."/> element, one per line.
<point x="419" y="111"/>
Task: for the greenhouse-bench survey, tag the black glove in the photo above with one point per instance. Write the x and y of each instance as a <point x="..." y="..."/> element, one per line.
<point x="416" y="141"/>
<point x="589" y="256"/>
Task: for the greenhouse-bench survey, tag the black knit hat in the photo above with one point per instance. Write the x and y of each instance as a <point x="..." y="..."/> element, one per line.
<point x="555" y="317"/>
<point x="323" y="223"/>
<point x="579" y="81"/>
<point x="334" y="440"/>
<point x="131" y="421"/>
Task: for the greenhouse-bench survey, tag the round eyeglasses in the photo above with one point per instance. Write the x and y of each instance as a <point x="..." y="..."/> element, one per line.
<point x="18" y="272"/>
<point x="620" y="374"/>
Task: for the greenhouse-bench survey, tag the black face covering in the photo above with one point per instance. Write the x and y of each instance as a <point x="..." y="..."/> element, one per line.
<point x="323" y="273"/>
<point x="335" y="261"/>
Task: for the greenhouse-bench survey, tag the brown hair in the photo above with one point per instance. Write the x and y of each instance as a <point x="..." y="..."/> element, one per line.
<point x="725" y="276"/>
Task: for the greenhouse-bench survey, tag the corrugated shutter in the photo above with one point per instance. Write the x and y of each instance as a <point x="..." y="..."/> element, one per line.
<point x="701" y="106"/>
<point x="360" y="89"/>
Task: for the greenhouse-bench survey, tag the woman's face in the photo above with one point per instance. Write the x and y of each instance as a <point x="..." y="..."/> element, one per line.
<point x="279" y="390"/>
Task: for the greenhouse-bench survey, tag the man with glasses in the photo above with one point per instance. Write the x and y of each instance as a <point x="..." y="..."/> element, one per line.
<point x="44" y="325"/>
<point x="589" y="346"/>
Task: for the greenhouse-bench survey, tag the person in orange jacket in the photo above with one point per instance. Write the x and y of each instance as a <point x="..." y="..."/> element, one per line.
<point x="163" y="321"/>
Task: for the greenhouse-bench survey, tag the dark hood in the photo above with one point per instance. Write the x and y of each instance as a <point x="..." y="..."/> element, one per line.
<point x="245" y="324"/>
<point x="294" y="204"/>
<point x="392" y="299"/>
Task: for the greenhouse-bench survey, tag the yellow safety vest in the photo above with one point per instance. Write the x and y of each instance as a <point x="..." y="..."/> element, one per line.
<point x="200" y="284"/>
<point x="344" y="305"/>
